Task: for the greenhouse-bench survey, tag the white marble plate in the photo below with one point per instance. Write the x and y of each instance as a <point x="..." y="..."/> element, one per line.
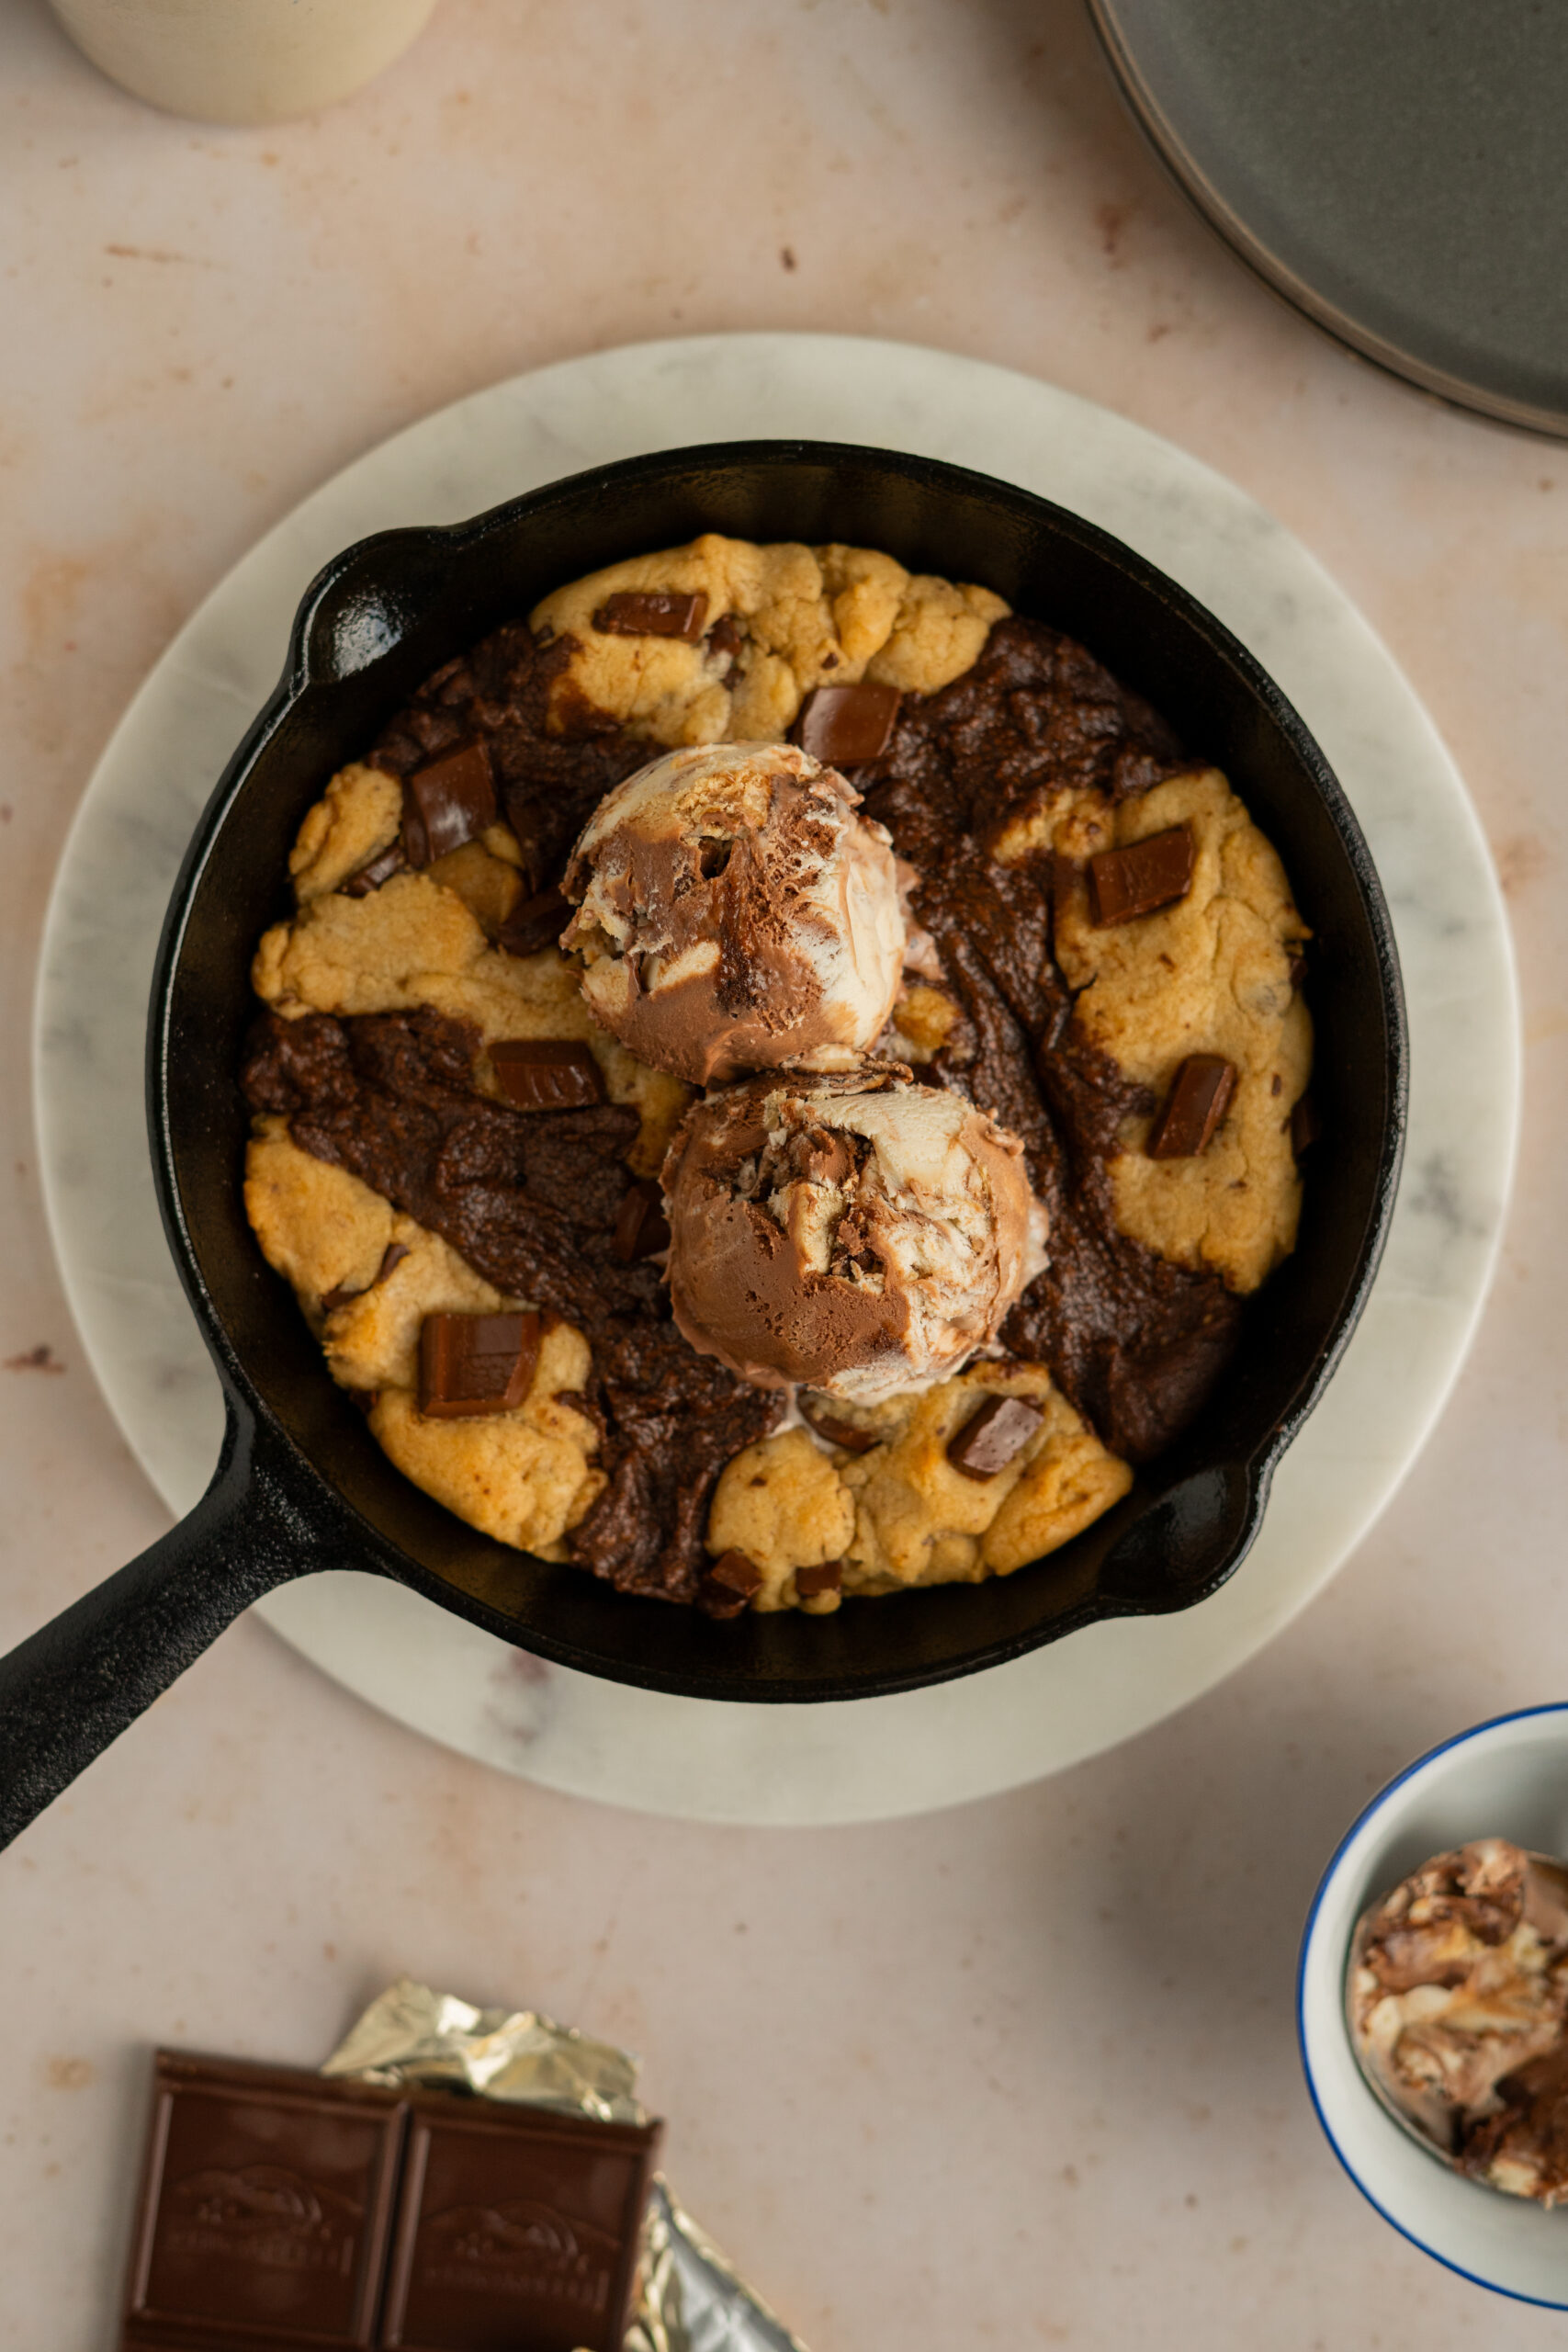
<point x="869" y="1759"/>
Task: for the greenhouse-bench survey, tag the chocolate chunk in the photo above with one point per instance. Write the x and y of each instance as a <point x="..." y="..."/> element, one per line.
<point x="837" y="1433"/>
<point x="728" y="1584"/>
<point x="811" y="1582"/>
<point x="839" y="725"/>
<point x="393" y="1255"/>
<point x="651" y="612"/>
<point x="1126" y="883"/>
<point x="1305" y="1125"/>
<point x="725" y="639"/>
<point x="546" y="1073"/>
<point x="381" y="869"/>
<point x="265" y="2209"/>
<point x="470" y="1364"/>
<point x="535" y="922"/>
<point x="516" y="2226"/>
<point x="447" y="803"/>
<point x="641" y="1227"/>
<point x="1194" y="1108"/>
<point x="994" y="1436"/>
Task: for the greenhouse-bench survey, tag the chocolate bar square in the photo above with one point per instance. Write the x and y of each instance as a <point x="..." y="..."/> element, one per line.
<point x="265" y="2209"/>
<point x="474" y="1364"/>
<point x="842" y="725"/>
<point x="652" y="612"/>
<point x="515" y="2226"/>
<point x="447" y="802"/>
<point x="547" y="1074"/>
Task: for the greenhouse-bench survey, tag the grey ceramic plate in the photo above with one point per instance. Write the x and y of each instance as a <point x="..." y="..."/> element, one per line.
<point x="1396" y="168"/>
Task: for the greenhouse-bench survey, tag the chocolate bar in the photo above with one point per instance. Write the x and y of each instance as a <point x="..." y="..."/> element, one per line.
<point x="839" y="725"/>
<point x="381" y="869"/>
<point x="1126" y="883"/>
<point x="1197" y="1101"/>
<point x="725" y="639"/>
<point x="515" y="2227"/>
<point x="470" y="1364"/>
<point x="641" y="1227"/>
<point x="447" y="803"/>
<point x="994" y="1437"/>
<point x="279" y="2207"/>
<point x="827" y="1425"/>
<point x="729" y="1583"/>
<point x="811" y="1582"/>
<point x="651" y="612"/>
<point x="265" y="2209"/>
<point x="547" y="1074"/>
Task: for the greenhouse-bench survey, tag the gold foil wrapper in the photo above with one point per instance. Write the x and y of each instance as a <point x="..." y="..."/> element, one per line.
<point x="690" y="2297"/>
<point x="414" y="2035"/>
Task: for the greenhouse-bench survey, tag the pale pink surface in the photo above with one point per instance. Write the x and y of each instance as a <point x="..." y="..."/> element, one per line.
<point x="1024" y="2073"/>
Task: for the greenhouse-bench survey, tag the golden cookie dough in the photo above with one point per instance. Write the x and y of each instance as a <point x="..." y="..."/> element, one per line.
<point x="359" y="815"/>
<point x="372" y="1341"/>
<point x="415" y="942"/>
<point x="902" y="1514"/>
<point x="524" y="1477"/>
<point x="784" y="1504"/>
<point x="918" y="1521"/>
<point x="320" y="1228"/>
<point x="924" y="1021"/>
<point x="807" y="617"/>
<point x="1210" y="975"/>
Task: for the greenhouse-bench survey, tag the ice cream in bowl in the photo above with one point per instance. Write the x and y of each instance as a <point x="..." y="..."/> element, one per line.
<point x="1433" y="2003"/>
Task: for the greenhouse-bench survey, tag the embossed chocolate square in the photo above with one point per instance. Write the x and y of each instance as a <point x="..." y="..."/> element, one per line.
<point x="266" y="2207"/>
<point x="515" y="2226"/>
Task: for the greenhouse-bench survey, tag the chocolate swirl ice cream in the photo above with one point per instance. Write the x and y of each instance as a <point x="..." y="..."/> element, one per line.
<point x="734" y="912"/>
<point x="861" y="1235"/>
<point x="1457" y="1996"/>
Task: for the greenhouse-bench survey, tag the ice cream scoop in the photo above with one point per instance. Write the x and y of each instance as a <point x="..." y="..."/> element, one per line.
<point x="1457" y="1996"/>
<point x="857" y="1233"/>
<point x="734" y="912"/>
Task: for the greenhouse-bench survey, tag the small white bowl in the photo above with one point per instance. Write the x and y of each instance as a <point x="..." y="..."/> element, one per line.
<point x="1507" y="1778"/>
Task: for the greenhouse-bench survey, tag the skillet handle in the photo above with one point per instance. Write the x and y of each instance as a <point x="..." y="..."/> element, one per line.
<point x="74" y="1686"/>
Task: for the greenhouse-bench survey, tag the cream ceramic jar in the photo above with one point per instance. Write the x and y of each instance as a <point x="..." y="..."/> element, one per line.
<point x="242" y="61"/>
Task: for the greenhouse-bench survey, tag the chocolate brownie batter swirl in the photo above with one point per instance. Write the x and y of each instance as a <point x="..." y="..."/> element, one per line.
<point x="532" y="1201"/>
<point x="1135" y="1342"/>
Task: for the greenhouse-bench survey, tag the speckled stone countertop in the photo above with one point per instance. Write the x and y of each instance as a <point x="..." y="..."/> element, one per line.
<point x="1020" y="2072"/>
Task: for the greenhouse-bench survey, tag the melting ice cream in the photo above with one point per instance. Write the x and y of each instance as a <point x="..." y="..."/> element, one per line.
<point x="857" y="1233"/>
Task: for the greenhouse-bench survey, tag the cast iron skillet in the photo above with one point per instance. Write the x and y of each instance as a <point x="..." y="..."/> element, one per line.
<point x="301" y="1485"/>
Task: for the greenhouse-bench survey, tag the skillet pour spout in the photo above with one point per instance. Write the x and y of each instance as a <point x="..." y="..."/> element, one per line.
<point x="302" y="1486"/>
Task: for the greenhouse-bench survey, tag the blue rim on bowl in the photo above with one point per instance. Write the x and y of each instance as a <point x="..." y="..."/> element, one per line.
<point x="1343" y="1892"/>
